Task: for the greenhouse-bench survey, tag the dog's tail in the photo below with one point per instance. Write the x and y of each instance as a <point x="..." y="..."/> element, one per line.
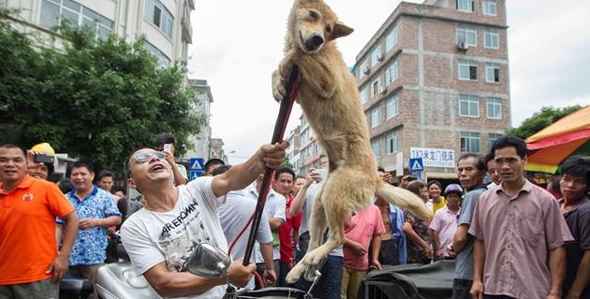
<point x="404" y="199"/>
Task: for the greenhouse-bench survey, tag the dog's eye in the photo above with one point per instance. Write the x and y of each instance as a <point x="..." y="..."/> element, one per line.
<point x="313" y="15"/>
<point x="328" y="29"/>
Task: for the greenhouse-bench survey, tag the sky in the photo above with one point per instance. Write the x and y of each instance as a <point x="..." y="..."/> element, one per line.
<point x="237" y="44"/>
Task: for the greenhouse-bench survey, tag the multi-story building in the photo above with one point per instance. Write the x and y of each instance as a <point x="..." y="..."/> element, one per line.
<point x="292" y="152"/>
<point x="165" y="24"/>
<point x="309" y="150"/>
<point x="434" y="83"/>
<point x="202" y="141"/>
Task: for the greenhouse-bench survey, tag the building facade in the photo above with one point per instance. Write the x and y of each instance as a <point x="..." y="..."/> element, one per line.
<point x="202" y="141"/>
<point x="165" y="24"/>
<point x="434" y="83"/>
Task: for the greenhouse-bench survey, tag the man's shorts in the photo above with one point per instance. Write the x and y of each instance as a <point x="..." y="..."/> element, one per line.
<point x="43" y="289"/>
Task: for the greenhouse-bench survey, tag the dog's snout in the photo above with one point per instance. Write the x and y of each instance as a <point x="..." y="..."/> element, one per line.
<point x="317" y="40"/>
<point x="314" y="43"/>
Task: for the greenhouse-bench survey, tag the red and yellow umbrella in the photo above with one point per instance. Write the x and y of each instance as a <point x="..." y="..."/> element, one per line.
<point x="567" y="136"/>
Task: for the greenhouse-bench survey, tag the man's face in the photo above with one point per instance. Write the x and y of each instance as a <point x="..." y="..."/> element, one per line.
<point x="453" y="200"/>
<point x="493" y="173"/>
<point x="81" y="178"/>
<point x="424" y="193"/>
<point x="106" y="183"/>
<point x="35" y="169"/>
<point x="509" y="165"/>
<point x="434" y="191"/>
<point x="13" y="165"/>
<point x="573" y="187"/>
<point x="469" y="175"/>
<point x="149" y="169"/>
<point x="405" y="181"/>
<point x="283" y="183"/>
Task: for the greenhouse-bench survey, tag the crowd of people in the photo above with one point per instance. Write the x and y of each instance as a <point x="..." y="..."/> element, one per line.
<point x="509" y="238"/>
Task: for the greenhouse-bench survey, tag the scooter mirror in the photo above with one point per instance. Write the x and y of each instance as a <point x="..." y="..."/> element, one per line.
<point x="207" y="261"/>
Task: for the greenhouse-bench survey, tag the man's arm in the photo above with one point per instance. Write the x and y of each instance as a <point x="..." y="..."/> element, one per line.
<point x="460" y="238"/>
<point x="96" y="222"/>
<point x="582" y="277"/>
<point x="299" y="200"/>
<point x="177" y="284"/>
<point x="275" y="222"/>
<point x="478" y="264"/>
<point x="241" y="175"/>
<point x="270" y="275"/>
<point x="414" y="237"/>
<point x="438" y="254"/>
<point x="375" y="248"/>
<point x="557" y="268"/>
<point x="69" y="232"/>
<point x="179" y="179"/>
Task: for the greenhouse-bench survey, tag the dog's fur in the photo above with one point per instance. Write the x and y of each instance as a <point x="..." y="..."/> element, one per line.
<point x="329" y="98"/>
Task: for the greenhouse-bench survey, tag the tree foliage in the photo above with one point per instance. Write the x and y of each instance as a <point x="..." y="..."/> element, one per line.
<point x="540" y="120"/>
<point x="96" y="99"/>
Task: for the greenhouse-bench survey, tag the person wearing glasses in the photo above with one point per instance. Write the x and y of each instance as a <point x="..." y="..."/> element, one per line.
<point x="161" y="236"/>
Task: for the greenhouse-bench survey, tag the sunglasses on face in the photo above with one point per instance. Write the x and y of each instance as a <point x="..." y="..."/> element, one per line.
<point x="144" y="157"/>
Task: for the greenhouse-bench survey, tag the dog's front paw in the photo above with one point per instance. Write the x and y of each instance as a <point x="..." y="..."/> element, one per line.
<point x="278" y="86"/>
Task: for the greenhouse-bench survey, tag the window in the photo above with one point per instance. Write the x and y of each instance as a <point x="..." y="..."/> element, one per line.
<point x="54" y="12"/>
<point x="364" y="94"/>
<point x="392" y="143"/>
<point x="491" y="38"/>
<point x="156" y="13"/>
<point x="362" y="69"/>
<point x="492" y="72"/>
<point x="391" y="39"/>
<point x="494" y="108"/>
<point x="376" y="146"/>
<point x="489" y="7"/>
<point x="467" y="34"/>
<point x="375" y="56"/>
<point x="470" y="142"/>
<point x="466" y="5"/>
<point x="492" y="138"/>
<point x="468" y="105"/>
<point x="467" y="69"/>
<point x="161" y="59"/>
<point x="375" y="86"/>
<point x="375" y="117"/>
<point x="391" y="73"/>
<point x="391" y="107"/>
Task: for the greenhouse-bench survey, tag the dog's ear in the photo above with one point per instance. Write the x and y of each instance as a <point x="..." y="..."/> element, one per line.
<point x="341" y="30"/>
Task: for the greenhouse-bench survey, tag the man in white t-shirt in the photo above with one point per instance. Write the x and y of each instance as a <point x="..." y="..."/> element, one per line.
<point x="160" y="237"/>
<point x="274" y="207"/>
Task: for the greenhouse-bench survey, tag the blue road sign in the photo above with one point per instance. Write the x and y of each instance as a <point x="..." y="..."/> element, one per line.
<point x="195" y="168"/>
<point x="416" y="165"/>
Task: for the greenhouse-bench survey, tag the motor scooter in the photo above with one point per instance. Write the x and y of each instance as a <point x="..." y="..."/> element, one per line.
<point x="119" y="281"/>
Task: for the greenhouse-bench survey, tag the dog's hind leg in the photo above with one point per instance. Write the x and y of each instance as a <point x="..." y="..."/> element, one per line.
<point x="317" y="228"/>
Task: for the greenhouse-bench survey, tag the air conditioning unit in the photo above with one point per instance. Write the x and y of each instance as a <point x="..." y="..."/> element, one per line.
<point x="382" y="89"/>
<point x="381" y="56"/>
<point x="462" y="46"/>
<point x="367" y="70"/>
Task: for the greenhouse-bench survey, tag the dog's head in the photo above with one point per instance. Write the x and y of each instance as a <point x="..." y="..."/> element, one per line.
<point x="312" y="24"/>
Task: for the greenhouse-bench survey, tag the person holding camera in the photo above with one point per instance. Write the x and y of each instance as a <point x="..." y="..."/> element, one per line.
<point x="165" y="143"/>
<point x="40" y="160"/>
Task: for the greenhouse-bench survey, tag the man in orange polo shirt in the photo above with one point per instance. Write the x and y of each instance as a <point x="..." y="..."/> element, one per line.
<point x="31" y="265"/>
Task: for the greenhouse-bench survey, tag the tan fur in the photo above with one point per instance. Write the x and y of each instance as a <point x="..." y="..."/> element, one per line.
<point x="329" y="97"/>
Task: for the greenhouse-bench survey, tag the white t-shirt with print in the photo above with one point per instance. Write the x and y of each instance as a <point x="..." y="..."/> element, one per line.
<point x="153" y="237"/>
